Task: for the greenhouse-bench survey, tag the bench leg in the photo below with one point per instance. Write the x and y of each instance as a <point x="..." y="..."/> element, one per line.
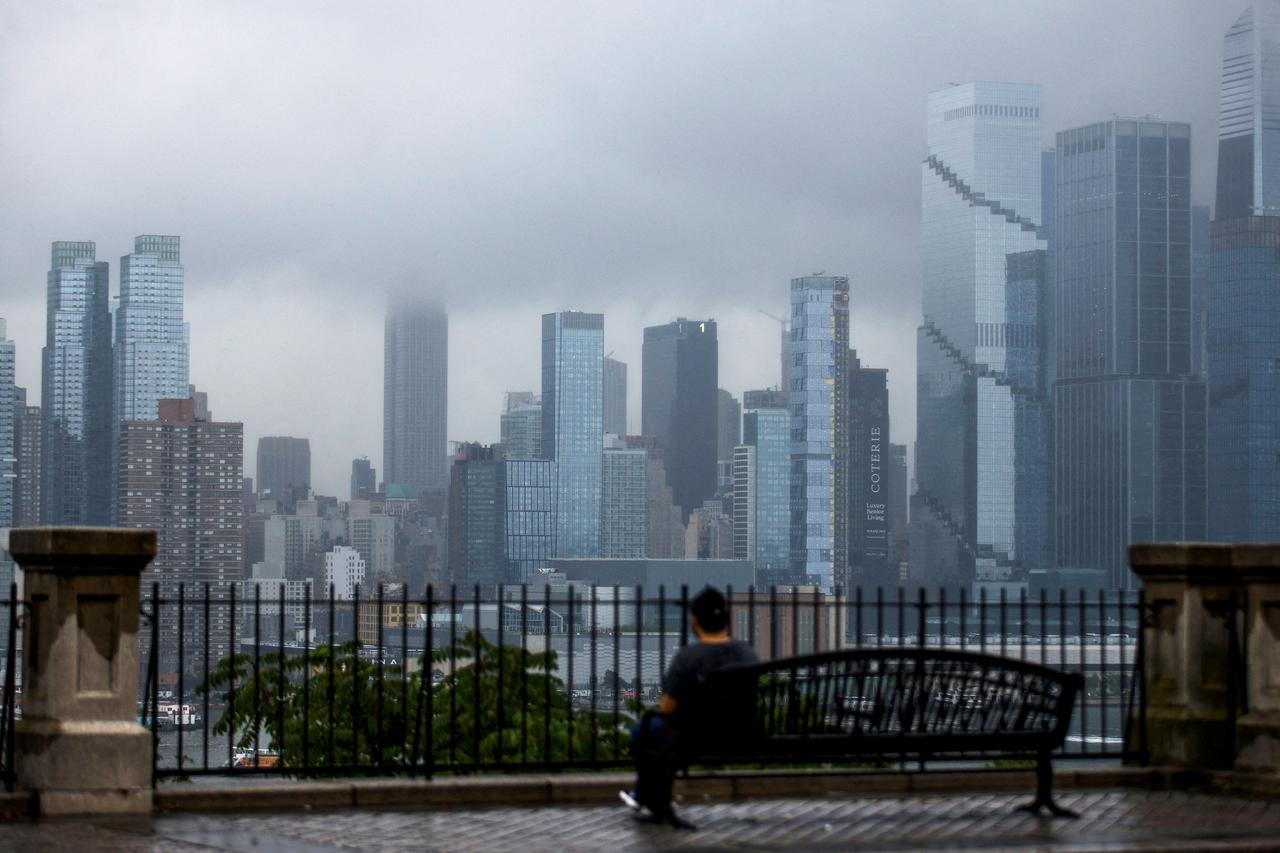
<point x="1044" y="791"/>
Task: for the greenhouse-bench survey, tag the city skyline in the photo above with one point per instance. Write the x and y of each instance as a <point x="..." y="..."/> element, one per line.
<point x="836" y="212"/>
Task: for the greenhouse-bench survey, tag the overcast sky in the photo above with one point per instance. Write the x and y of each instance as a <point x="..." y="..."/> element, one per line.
<point x="646" y="160"/>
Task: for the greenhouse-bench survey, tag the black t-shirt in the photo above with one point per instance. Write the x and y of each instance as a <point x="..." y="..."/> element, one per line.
<point x="699" y="658"/>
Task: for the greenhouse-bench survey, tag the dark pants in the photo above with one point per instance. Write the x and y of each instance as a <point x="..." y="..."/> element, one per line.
<point x="653" y="743"/>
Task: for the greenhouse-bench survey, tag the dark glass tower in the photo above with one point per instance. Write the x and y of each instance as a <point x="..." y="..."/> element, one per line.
<point x="679" y="406"/>
<point x="1129" y="412"/>
<point x="869" y="475"/>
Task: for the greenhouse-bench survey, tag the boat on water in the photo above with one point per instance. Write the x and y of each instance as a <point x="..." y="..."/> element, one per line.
<point x="243" y="757"/>
<point x="171" y="715"/>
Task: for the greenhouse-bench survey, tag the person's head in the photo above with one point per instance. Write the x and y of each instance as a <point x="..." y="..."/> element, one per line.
<point x="710" y="613"/>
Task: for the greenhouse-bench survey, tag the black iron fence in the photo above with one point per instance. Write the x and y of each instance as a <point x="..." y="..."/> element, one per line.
<point x="269" y="678"/>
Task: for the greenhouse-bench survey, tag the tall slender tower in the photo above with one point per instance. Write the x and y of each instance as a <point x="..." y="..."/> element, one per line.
<point x="820" y="430"/>
<point x="679" y="408"/>
<point x="1244" y="287"/>
<point x="1248" y="134"/>
<point x="615" y="396"/>
<point x="415" y="403"/>
<point x="152" y="340"/>
<point x="979" y="426"/>
<point x="76" y="448"/>
<point x="573" y="426"/>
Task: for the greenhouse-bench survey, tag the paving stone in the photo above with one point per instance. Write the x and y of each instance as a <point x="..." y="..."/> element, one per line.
<point x="1111" y="819"/>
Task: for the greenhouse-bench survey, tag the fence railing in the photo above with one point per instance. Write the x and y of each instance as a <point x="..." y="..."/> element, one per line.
<point x="257" y="678"/>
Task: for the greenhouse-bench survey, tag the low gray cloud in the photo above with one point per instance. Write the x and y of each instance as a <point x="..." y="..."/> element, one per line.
<point x="647" y="160"/>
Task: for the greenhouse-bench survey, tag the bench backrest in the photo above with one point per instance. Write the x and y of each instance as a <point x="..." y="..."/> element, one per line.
<point x="900" y="693"/>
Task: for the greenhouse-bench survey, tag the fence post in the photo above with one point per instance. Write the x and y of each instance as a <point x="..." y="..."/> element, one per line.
<point x="1189" y="626"/>
<point x="79" y="747"/>
<point x="1258" y="729"/>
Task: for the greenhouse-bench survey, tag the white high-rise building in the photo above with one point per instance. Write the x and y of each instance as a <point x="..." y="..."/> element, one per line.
<point x="152" y="340"/>
<point x="344" y="570"/>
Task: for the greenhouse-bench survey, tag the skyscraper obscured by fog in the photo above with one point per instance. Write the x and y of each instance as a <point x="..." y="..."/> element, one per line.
<point x="615" y="396"/>
<point x="364" y="480"/>
<point x="415" y="403"/>
<point x="820" y="430"/>
<point x="76" y="449"/>
<point x="977" y="424"/>
<point x="8" y="424"/>
<point x="284" y="467"/>
<point x="679" y="405"/>
<point x="521" y="425"/>
<point x="573" y="425"/>
<point x="1129" y="411"/>
<point x="1244" y="287"/>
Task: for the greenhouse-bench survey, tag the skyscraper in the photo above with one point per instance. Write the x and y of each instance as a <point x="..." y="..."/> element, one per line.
<point x="1243" y="298"/>
<point x="678" y="405"/>
<point x="26" y="450"/>
<point x="197" y="465"/>
<point x="615" y="396"/>
<point x="530" y="525"/>
<point x="1248" y="136"/>
<point x="820" y="430"/>
<point x="8" y="415"/>
<point x="624" y="522"/>
<point x="762" y="491"/>
<point x="869" y="483"/>
<point x="1129" y="413"/>
<point x="284" y="467"/>
<point x="981" y="197"/>
<point x="477" y="515"/>
<point x="151" y="343"/>
<point x="76" y="449"/>
<point x="573" y="425"/>
<point x="364" y="480"/>
<point x="728" y="425"/>
<point x="521" y="425"/>
<point x="415" y="401"/>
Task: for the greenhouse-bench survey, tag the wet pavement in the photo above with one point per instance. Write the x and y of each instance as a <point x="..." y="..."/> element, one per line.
<point x="1110" y="820"/>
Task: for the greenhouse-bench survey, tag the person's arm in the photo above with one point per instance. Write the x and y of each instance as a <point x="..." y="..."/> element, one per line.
<point x="666" y="705"/>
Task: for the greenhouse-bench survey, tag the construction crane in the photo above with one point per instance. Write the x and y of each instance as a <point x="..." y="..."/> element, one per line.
<point x="784" y="383"/>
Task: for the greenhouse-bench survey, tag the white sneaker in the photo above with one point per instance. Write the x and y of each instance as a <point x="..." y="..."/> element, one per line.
<point x="630" y="800"/>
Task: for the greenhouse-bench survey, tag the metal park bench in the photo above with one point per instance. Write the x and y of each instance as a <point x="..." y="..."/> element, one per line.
<point x="887" y="703"/>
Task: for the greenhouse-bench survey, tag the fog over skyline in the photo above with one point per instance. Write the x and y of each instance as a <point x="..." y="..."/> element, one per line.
<point x="646" y="161"/>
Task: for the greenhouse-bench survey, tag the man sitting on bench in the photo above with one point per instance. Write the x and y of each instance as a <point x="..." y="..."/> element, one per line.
<point x="655" y="740"/>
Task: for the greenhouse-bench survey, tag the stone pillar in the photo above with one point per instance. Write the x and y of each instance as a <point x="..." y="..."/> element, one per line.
<point x="1189" y="590"/>
<point x="79" y="747"/>
<point x="1258" y="731"/>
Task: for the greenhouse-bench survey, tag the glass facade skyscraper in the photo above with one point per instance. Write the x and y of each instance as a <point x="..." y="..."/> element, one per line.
<point x="679" y="405"/>
<point x="615" y="396"/>
<point x="152" y="340"/>
<point x="76" y="448"/>
<point x="1129" y="412"/>
<point x="1248" y="131"/>
<point x="624" y="524"/>
<point x="573" y="425"/>
<point x="415" y="400"/>
<point x="8" y="422"/>
<point x="819" y="430"/>
<point x="1244" y="288"/>
<point x="529" y="487"/>
<point x="975" y="418"/>
<point x="766" y="433"/>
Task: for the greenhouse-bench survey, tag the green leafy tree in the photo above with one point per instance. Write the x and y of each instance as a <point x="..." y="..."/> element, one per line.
<point x="496" y="703"/>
